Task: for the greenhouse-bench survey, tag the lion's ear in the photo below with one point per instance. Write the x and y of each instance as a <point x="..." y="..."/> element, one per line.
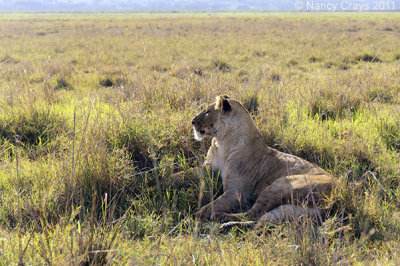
<point x="223" y="104"/>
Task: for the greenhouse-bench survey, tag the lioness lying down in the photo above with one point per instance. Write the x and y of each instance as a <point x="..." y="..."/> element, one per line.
<point x="282" y="186"/>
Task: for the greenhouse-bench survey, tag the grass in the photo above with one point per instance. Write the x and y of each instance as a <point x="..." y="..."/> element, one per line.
<point x="95" y="120"/>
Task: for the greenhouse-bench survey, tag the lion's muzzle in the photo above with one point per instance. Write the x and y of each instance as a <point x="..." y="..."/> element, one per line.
<point x="197" y="130"/>
<point x="195" y="121"/>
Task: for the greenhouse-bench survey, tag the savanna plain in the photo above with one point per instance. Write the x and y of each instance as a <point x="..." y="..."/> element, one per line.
<point x="95" y="120"/>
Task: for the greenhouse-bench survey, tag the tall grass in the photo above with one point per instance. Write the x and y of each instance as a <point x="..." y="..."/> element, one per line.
<point x="95" y="124"/>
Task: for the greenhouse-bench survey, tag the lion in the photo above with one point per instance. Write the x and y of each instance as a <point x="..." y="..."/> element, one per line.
<point x="281" y="186"/>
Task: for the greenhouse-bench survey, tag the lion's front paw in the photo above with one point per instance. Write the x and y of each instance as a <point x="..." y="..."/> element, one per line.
<point x="240" y="225"/>
<point x="204" y="213"/>
<point x="207" y="213"/>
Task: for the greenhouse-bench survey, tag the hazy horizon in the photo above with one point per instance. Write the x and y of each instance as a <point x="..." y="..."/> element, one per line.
<point x="300" y="5"/>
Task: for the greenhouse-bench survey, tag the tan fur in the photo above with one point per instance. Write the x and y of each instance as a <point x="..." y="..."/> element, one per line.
<point x="252" y="171"/>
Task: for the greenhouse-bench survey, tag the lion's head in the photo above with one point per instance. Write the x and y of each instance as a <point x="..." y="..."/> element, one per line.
<point x="219" y="117"/>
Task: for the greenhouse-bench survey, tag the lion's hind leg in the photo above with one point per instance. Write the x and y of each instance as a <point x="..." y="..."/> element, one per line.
<point x="288" y="213"/>
<point x="298" y="190"/>
<point x="278" y="215"/>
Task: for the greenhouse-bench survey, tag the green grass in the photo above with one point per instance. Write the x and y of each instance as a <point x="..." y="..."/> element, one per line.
<point x="95" y="120"/>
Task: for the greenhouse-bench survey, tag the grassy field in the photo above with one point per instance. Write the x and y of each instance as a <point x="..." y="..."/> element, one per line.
<point x="95" y="118"/>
